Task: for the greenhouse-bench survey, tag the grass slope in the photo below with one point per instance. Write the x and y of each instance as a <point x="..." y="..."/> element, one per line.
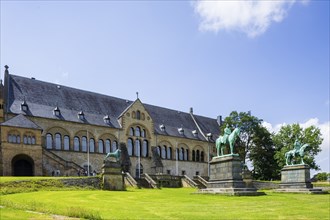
<point x="169" y="204"/>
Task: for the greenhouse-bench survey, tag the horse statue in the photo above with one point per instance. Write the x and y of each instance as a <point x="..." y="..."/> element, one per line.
<point x="298" y="150"/>
<point x="227" y="138"/>
<point x="115" y="154"/>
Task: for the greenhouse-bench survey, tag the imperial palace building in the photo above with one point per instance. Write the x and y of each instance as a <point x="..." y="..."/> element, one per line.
<point x="46" y="127"/>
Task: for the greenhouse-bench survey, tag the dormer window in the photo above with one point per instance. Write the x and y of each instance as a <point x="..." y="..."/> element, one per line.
<point x="57" y="112"/>
<point x="195" y="133"/>
<point x="106" y="119"/>
<point x="24" y="106"/>
<point x="181" y="131"/>
<point x="81" y="115"/>
<point x="162" y="127"/>
<point x="209" y="136"/>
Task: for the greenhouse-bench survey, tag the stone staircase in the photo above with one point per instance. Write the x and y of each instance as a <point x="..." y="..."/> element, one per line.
<point x="150" y="181"/>
<point x="188" y="182"/>
<point x="54" y="162"/>
<point x="201" y="182"/>
<point x="129" y="180"/>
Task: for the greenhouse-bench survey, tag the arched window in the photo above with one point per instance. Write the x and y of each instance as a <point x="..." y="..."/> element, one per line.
<point x="10" y="138"/>
<point x="137" y="131"/>
<point x="186" y="155"/>
<point x="33" y="140"/>
<point x="169" y="153"/>
<point x="107" y="146"/>
<point x="159" y="151"/>
<point x="57" y="141"/>
<point x="181" y="154"/>
<point x="91" y="145"/>
<point x="49" y="141"/>
<point x="130" y="146"/>
<point x="29" y="141"/>
<point x="84" y="144"/>
<point x="114" y="146"/>
<point x="197" y="155"/>
<point x="145" y="148"/>
<point x="131" y="132"/>
<point x="25" y="140"/>
<point x="14" y="139"/>
<point x="143" y="133"/>
<point x="137" y="148"/>
<point x="138" y="115"/>
<point x="193" y="156"/>
<point x="101" y="150"/>
<point x="18" y="138"/>
<point x="163" y="155"/>
<point x="76" y="144"/>
<point x="202" y="156"/>
<point x="66" y="142"/>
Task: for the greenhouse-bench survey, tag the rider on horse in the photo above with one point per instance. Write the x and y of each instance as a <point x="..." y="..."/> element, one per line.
<point x="227" y="132"/>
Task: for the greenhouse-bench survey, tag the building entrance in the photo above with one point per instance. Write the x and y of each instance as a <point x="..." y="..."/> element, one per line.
<point x="22" y="165"/>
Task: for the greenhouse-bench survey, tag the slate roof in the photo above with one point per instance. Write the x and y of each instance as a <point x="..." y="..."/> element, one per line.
<point x="43" y="97"/>
<point x="22" y="122"/>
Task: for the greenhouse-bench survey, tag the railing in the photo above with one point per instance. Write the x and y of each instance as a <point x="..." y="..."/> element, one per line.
<point x="202" y="181"/>
<point x="65" y="163"/>
<point x="189" y="181"/>
<point x="130" y="179"/>
<point x="151" y="182"/>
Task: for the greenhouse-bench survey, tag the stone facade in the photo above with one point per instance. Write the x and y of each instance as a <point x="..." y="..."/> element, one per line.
<point x="179" y="138"/>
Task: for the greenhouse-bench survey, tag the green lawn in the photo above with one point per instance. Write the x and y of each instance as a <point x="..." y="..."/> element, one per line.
<point x="166" y="204"/>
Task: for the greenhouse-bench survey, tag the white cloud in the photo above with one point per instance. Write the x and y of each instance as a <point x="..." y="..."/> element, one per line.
<point x="250" y="17"/>
<point x="323" y="158"/>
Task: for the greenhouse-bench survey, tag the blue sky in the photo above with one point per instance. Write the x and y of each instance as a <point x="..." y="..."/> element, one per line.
<point x="270" y="57"/>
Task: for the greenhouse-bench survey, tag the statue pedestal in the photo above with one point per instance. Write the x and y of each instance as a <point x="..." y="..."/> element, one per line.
<point x="112" y="177"/>
<point x="296" y="179"/>
<point x="226" y="178"/>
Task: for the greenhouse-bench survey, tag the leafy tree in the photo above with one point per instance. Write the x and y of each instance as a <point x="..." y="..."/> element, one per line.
<point x="321" y="176"/>
<point x="248" y="125"/>
<point x="285" y="138"/>
<point x="254" y="143"/>
<point x="262" y="155"/>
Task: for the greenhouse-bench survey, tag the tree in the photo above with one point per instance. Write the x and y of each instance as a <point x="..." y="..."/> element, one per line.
<point x="285" y="138"/>
<point x="262" y="155"/>
<point x="321" y="176"/>
<point x="248" y="125"/>
<point x="254" y="143"/>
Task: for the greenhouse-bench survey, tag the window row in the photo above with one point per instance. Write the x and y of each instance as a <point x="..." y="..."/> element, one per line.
<point x="181" y="154"/>
<point x="80" y="144"/>
<point x="16" y="139"/>
<point x="135" y="148"/>
<point x="138" y="115"/>
<point x="137" y="132"/>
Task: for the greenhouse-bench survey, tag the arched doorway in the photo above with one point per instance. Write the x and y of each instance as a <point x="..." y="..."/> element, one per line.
<point x="22" y="165"/>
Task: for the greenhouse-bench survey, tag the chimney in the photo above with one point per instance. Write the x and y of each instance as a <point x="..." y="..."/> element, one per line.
<point x="191" y="110"/>
<point x="219" y="120"/>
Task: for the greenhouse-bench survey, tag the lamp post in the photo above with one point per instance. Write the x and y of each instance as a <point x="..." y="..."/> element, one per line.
<point x="209" y="135"/>
<point x="139" y="157"/>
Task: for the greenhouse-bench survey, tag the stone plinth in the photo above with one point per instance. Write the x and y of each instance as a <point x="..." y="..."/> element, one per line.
<point x="296" y="176"/>
<point x="296" y="179"/>
<point x="112" y="177"/>
<point x="226" y="178"/>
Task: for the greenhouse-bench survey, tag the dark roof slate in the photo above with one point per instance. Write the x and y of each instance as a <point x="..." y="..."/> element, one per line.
<point x="42" y="98"/>
<point x="22" y="122"/>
